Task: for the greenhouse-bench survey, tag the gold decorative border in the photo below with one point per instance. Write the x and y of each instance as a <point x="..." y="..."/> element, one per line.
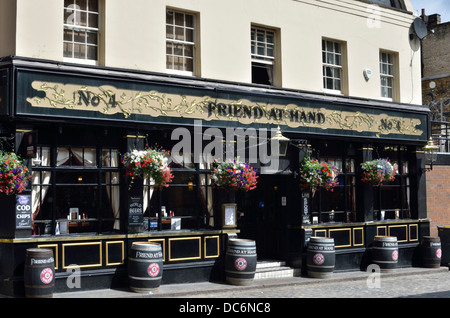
<point x="406" y="231"/>
<point x="56" y="252"/>
<point x="81" y="244"/>
<point x="362" y="235"/>
<point x="320" y="231"/>
<point x="107" y="253"/>
<point x="185" y="239"/>
<point x="204" y="246"/>
<point x="163" y="246"/>
<point x="417" y="232"/>
<point x="385" y="230"/>
<point x="349" y="236"/>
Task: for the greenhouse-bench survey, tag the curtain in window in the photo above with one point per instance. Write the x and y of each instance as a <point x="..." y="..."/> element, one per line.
<point x="76" y="157"/>
<point x="148" y="192"/>
<point x="206" y="189"/>
<point x="112" y="188"/>
<point x="42" y="178"/>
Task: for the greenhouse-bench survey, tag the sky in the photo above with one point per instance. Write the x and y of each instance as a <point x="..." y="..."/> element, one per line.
<point x="441" y="7"/>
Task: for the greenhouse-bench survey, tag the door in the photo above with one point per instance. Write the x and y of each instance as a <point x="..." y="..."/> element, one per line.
<point x="266" y="216"/>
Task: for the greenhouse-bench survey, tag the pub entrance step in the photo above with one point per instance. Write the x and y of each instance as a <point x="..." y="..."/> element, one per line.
<point x="274" y="269"/>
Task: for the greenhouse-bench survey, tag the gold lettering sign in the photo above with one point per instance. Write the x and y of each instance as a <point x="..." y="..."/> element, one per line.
<point x="110" y="100"/>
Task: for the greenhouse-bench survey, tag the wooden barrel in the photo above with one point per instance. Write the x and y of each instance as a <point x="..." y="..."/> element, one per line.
<point x="145" y="267"/>
<point x="320" y="257"/>
<point x="39" y="273"/>
<point x="385" y="252"/>
<point x="431" y="251"/>
<point x="240" y="261"/>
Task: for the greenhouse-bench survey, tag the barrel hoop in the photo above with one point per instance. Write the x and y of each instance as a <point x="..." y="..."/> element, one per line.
<point x="39" y="286"/>
<point x="144" y="260"/>
<point x="241" y="255"/>
<point x="144" y="278"/>
<point x="316" y="266"/>
<point x="387" y="262"/>
<point x="241" y="272"/>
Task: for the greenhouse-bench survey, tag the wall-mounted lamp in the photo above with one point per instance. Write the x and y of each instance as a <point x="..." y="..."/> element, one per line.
<point x="283" y="142"/>
<point x="430" y="151"/>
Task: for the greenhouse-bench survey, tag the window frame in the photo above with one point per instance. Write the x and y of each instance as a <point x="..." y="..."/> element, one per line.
<point x="74" y="27"/>
<point x="54" y="171"/>
<point x="388" y="76"/>
<point x="341" y="67"/>
<point x="183" y="43"/>
<point x="265" y="60"/>
<point x="346" y="172"/>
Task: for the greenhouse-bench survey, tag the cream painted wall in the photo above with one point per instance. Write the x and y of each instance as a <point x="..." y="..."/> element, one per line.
<point x="39" y="29"/>
<point x="133" y="37"/>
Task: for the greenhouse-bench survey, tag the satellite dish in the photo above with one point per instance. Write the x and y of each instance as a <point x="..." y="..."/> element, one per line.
<point x="420" y="28"/>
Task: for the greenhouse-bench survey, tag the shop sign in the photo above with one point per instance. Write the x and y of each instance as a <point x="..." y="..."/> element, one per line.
<point x="151" y="103"/>
<point x="23" y="212"/>
<point x="135" y="211"/>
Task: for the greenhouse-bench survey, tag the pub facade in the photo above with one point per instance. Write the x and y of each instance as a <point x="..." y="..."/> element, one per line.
<point x="72" y="122"/>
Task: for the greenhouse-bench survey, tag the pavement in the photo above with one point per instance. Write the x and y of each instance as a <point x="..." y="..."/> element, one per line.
<point x="210" y="289"/>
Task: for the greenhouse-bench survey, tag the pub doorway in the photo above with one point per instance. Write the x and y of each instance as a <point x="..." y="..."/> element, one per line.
<point x="265" y="216"/>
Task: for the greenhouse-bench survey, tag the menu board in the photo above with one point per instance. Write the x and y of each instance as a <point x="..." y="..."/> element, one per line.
<point x="23" y="211"/>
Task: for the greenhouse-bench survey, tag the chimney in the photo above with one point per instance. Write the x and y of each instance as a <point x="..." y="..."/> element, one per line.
<point x="431" y="20"/>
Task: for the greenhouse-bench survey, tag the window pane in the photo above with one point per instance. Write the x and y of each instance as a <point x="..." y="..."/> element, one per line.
<point x="189" y="35"/>
<point x="92" y="53"/>
<point x="93" y="20"/>
<point x="92" y="38"/>
<point x="169" y="17"/>
<point x="179" y="19"/>
<point x="169" y="32"/>
<point x="189" y="20"/>
<point x="93" y="5"/>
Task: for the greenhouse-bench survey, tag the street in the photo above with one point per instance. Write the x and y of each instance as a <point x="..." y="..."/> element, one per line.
<point x="433" y="285"/>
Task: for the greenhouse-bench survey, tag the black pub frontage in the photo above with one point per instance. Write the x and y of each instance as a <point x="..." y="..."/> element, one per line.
<point x="72" y="124"/>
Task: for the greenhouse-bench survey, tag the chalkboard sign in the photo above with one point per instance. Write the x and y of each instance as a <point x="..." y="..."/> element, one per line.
<point x="23" y="212"/>
<point x="135" y="210"/>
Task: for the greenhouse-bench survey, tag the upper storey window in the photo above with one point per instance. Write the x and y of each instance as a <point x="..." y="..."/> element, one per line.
<point x="180" y="42"/>
<point x="387" y="75"/>
<point x="332" y="61"/>
<point x="263" y="55"/>
<point x="81" y="30"/>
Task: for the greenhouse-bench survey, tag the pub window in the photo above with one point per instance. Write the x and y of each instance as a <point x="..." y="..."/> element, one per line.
<point x="75" y="190"/>
<point x="263" y="55"/>
<point x="333" y="65"/>
<point x="387" y="75"/>
<point x="81" y="31"/>
<point x="180" y="42"/>
<point x="341" y="201"/>
<point x="392" y="199"/>
<point x="186" y="203"/>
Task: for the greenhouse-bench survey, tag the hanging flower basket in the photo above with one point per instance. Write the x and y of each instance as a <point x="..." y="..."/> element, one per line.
<point x="315" y="174"/>
<point x="378" y="171"/>
<point x="148" y="163"/>
<point x="14" y="175"/>
<point x="233" y="175"/>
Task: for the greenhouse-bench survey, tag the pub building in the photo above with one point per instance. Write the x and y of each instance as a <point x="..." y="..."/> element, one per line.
<point x="72" y="125"/>
<point x="71" y="109"/>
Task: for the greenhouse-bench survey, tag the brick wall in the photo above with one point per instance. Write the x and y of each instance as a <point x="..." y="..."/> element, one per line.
<point x="438" y="197"/>
<point x="436" y="51"/>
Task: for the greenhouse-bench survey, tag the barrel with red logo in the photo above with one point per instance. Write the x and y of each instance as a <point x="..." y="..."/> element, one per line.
<point x="145" y="267"/>
<point x="431" y="251"/>
<point x="240" y="261"/>
<point x="320" y="257"/>
<point x="39" y="273"/>
<point x="385" y="252"/>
